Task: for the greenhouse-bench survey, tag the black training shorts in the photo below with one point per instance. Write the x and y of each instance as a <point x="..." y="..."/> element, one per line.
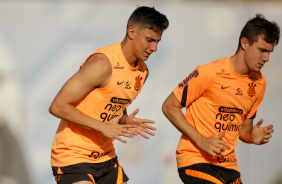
<point x="208" y="174"/>
<point x="109" y="172"/>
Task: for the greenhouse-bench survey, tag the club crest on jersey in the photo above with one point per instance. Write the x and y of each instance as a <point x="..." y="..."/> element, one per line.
<point x="195" y="73"/>
<point x="137" y="85"/>
<point x="252" y="89"/>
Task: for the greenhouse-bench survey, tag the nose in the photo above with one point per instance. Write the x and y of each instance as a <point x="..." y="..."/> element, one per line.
<point x="265" y="57"/>
<point x="154" y="46"/>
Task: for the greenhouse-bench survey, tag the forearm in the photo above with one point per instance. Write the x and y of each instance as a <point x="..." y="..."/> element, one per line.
<point x="71" y="114"/>
<point x="177" y="118"/>
<point x="246" y="134"/>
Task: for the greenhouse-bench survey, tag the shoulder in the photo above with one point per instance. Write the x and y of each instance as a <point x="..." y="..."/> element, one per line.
<point x="96" y="71"/>
<point x="109" y="49"/>
<point x="97" y="68"/>
<point x="215" y="67"/>
<point x="217" y="64"/>
<point x="100" y="56"/>
<point x="98" y="60"/>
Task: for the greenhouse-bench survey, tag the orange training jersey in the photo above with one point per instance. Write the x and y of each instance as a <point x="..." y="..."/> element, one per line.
<point x="74" y="144"/>
<point x="217" y="99"/>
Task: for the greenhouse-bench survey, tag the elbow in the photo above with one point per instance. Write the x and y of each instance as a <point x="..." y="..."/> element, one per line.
<point x="164" y="108"/>
<point x="54" y="109"/>
<point x="51" y="109"/>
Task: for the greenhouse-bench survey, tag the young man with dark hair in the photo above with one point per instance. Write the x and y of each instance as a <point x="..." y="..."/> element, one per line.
<point x="92" y="105"/>
<point x="221" y="100"/>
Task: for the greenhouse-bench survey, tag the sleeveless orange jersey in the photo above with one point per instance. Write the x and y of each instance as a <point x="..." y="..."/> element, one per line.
<point x="217" y="99"/>
<point x="74" y="144"/>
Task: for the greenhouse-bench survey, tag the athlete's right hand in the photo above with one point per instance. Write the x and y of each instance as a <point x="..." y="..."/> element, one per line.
<point x="213" y="145"/>
<point x="114" y="130"/>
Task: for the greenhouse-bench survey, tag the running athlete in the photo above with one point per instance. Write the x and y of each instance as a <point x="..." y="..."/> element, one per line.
<point x="92" y="105"/>
<point x="221" y="100"/>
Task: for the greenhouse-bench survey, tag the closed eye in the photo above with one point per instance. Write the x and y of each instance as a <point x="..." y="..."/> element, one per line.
<point x="153" y="40"/>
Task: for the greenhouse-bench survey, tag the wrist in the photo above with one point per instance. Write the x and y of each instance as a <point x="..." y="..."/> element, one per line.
<point x="198" y="140"/>
<point x="99" y="126"/>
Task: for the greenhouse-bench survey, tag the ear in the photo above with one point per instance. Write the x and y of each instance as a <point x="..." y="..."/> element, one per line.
<point x="244" y="43"/>
<point x="130" y="32"/>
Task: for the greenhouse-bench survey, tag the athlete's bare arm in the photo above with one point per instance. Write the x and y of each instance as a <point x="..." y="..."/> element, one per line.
<point x="255" y="134"/>
<point x="95" y="73"/>
<point x="172" y="110"/>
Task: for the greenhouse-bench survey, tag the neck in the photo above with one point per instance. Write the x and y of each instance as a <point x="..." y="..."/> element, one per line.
<point x="238" y="63"/>
<point x="128" y="51"/>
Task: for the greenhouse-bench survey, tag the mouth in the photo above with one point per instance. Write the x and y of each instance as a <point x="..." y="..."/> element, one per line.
<point x="147" y="54"/>
<point x="260" y="65"/>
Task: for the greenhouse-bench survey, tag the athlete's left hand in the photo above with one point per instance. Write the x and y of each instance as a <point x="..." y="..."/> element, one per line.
<point x="141" y="124"/>
<point x="261" y="135"/>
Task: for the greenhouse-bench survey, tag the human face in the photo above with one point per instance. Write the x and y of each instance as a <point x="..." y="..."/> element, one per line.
<point x="257" y="54"/>
<point x="145" y="42"/>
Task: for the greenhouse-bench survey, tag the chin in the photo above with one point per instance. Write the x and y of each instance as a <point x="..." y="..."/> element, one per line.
<point x="145" y="58"/>
<point x="257" y="70"/>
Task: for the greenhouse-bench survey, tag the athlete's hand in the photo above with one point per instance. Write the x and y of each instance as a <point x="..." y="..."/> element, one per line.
<point x="141" y="124"/>
<point x="213" y="145"/>
<point x="114" y="130"/>
<point x="261" y="135"/>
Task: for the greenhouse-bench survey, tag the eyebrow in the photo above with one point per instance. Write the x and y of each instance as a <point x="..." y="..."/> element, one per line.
<point x="265" y="50"/>
<point x="150" y="38"/>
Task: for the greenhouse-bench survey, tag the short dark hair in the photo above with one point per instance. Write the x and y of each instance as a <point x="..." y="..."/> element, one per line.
<point x="148" y="17"/>
<point x="260" y="26"/>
